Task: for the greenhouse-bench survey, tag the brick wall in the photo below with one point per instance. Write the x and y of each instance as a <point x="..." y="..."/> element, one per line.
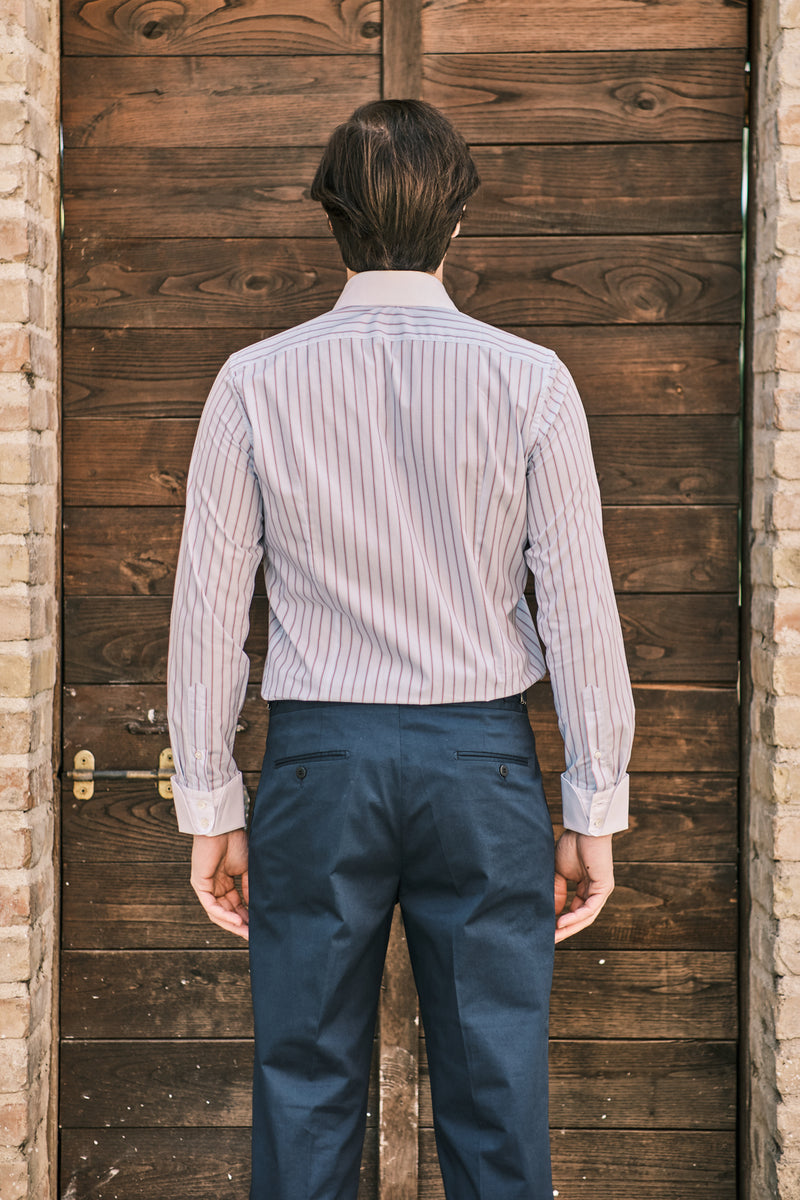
<point x="773" y="745"/>
<point x="29" y="214"/>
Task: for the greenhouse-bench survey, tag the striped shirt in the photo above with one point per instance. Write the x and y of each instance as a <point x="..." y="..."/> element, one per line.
<point x="397" y="467"/>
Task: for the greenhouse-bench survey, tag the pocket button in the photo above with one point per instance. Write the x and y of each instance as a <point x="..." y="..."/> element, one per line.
<point x="503" y="770"/>
<point x="301" y="772"/>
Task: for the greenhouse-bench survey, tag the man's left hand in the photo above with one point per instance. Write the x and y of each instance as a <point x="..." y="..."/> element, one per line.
<point x="216" y="864"/>
<point x="588" y="863"/>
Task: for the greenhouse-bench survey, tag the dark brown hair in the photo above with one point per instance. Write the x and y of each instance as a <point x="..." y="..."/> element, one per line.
<point x="394" y="180"/>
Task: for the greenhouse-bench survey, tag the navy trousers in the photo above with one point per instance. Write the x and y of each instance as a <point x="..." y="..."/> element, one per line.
<point x="438" y="808"/>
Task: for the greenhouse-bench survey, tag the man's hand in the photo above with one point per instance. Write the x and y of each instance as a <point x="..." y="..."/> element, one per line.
<point x="588" y="863"/>
<point x="216" y="862"/>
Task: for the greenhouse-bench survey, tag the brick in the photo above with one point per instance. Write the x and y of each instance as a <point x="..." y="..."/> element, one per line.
<point x="14" y="1177"/>
<point x="786" y="721"/>
<point x="786" y="566"/>
<point x="786" y="615"/>
<point x="787" y="352"/>
<point x="14" y="955"/>
<point x="15" y="1011"/>
<point x="787" y="290"/>
<point x="15" y="622"/>
<point x="22" y="788"/>
<point x="15" y="300"/>
<point x="786" y="455"/>
<point x="15" y="349"/>
<point x="787" y="407"/>
<point x="13" y="118"/>
<point x="785" y="511"/>
<point x="786" y="675"/>
<point x="15" y="243"/>
<point x="787" y="844"/>
<point x="14" y="1064"/>
<point x="787" y="1022"/>
<point x="13" y="1119"/>
<point x="15" y="844"/>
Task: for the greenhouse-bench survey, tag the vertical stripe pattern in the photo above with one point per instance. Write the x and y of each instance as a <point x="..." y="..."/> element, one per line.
<point x="398" y="467"/>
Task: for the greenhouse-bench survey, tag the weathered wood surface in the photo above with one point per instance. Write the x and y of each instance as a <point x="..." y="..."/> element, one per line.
<point x="678" y="729"/>
<point x="672" y="550"/>
<point x="242" y="100"/>
<point x="398" y="1071"/>
<point x="680" y="818"/>
<point x="643" y="96"/>
<point x="636" y="1084"/>
<point x="603" y="189"/>
<point x="628" y="1085"/>
<point x="101" y="27"/>
<point x="649" y="95"/>
<point x="402" y="78"/>
<point x="261" y="27"/>
<point x="613" y="1164"/>
<point x="205" y="994"/>
<point x="170" y="1164"/>
<point x="691" y="461"/>
<point x="656" y="369"/>
<point x="670" y="906"/>
<point x="214" y="1164"/>
<point x="123" y="639"/>
<point x="464" y="25"/>
<point x="505" y="281"/>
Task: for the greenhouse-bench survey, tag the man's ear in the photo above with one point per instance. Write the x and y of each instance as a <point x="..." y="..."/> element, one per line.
<point x="456" y="231"/>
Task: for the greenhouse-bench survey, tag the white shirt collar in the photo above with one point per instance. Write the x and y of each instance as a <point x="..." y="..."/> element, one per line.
<point x="394" y="289"/>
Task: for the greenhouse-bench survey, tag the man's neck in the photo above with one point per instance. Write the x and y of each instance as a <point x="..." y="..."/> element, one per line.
<point x="437" y="274"/>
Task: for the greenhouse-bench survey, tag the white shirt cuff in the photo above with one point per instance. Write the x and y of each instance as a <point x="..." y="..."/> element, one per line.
<point x="595" y="813"/>
<point x="210" y="813"/>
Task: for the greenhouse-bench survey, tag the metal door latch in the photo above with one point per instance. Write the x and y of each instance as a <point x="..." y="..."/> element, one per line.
<point x="83" y="774"/>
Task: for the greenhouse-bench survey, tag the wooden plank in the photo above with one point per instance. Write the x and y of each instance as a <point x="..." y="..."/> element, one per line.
<point x="636" y="1084"/>
<point x="123" y="639"/>
<point x="678" y="729"/>
<point x="619" y="369"/>
<point x="100" y="649"/>
<point x="144" y="905"/>
<point x="402" y="60"/>
<point x="236" y="194"/>
<point x="238" y="100"/>
<point x="629" y="188"/>
<point x="680" y="818"/>
<point x="196" y="282"/>
<point x="461" y="25"/>
<point x="251" y="27"/>
<point x="690" y="460"/>
<point x="687" y="95"/>
<point x="672" y="550"/>
<point x="172" y="1164"/>
<point x="589" y="1165"/>
<point x="164" y="1084"/>
<point x="631" y="1085"/>
<point x="630" y="280"/>
<point x="398" y="1090"/>
<point x="635" y="188"/>
<point x="638" y="96"/>
<point x="205" y="993"/>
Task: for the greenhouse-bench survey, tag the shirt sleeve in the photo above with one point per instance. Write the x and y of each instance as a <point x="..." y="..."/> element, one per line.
<point x="221" y="549"/>
<point x="577" y="614"/>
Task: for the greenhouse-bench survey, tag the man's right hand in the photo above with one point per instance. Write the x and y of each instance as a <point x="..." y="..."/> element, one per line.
<point x="588" y="863"/>
<point x="216" y="864"/>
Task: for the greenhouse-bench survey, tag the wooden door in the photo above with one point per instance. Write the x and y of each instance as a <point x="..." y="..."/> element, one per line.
<point x="608" y="137"/>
